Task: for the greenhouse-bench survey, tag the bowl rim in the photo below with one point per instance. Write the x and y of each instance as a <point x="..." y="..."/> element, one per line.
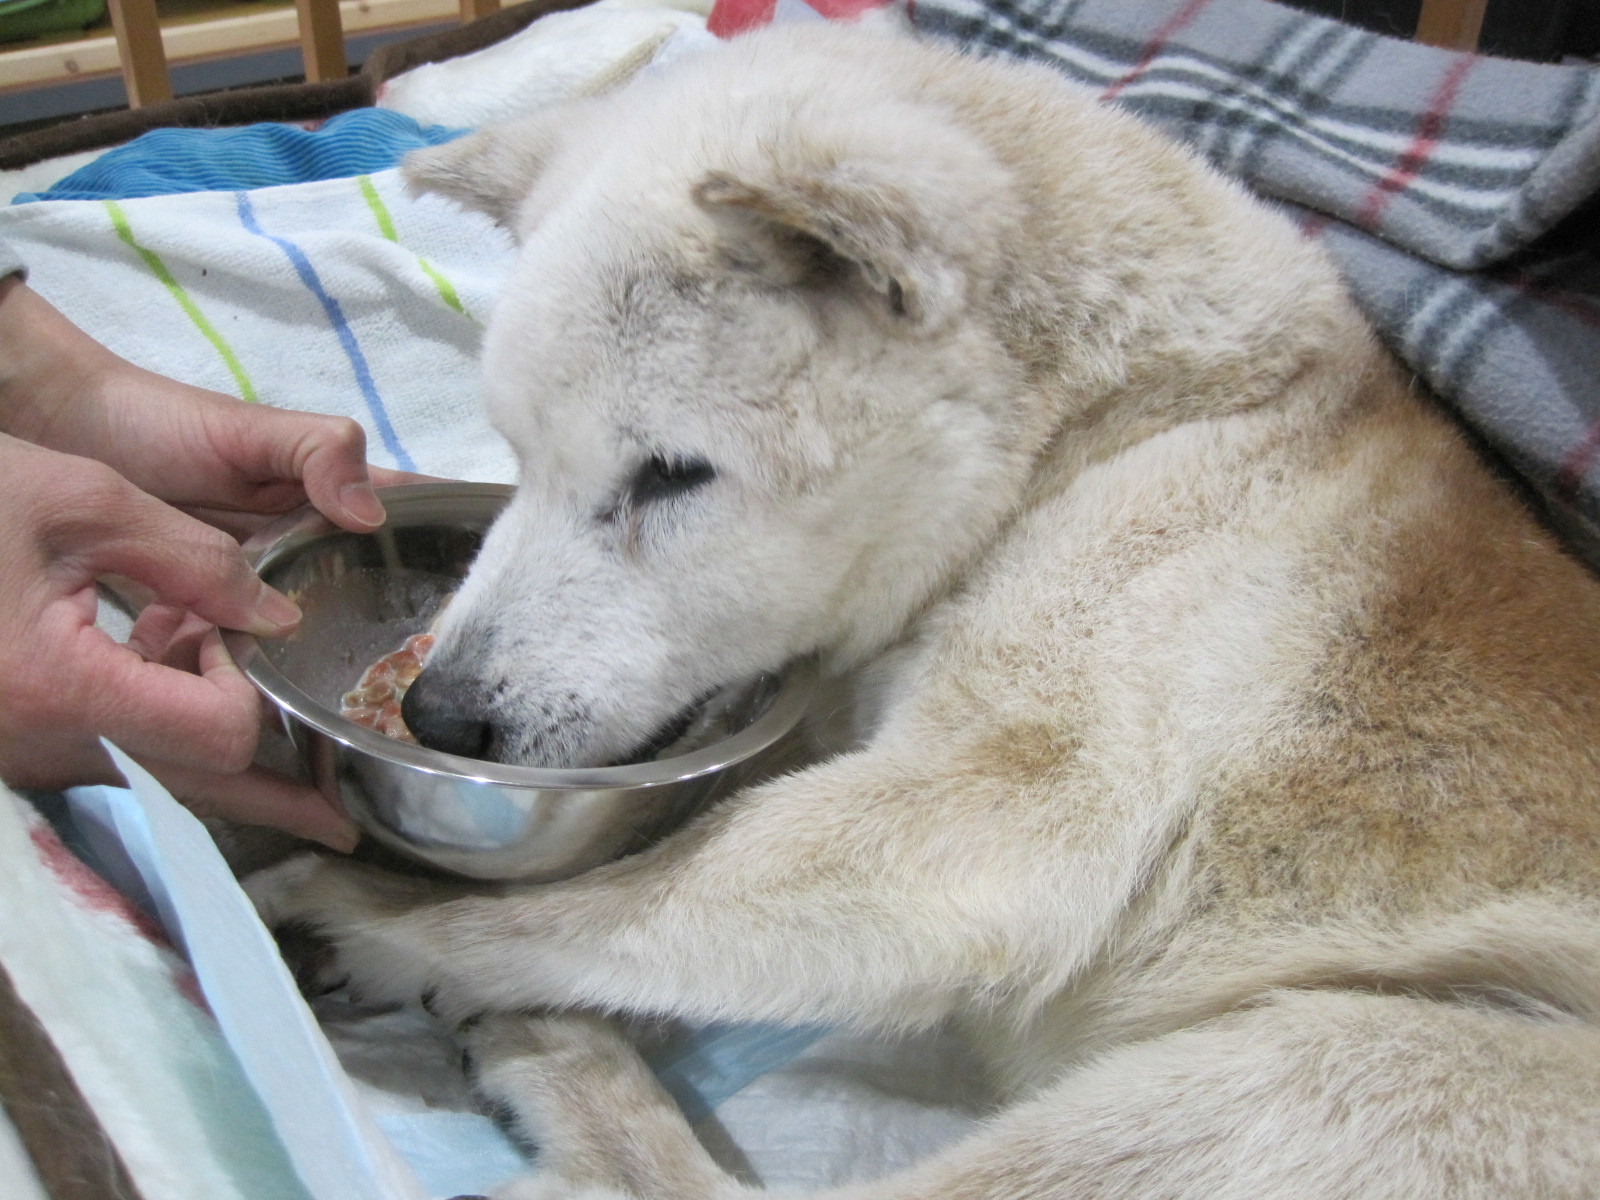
<point x="294" y="531"/>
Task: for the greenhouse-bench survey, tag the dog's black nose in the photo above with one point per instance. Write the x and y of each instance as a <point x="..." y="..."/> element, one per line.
<point x="441" y="717"/>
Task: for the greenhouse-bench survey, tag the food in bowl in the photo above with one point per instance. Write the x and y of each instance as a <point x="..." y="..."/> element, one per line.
<point x="377" y="697"/>
<point x="375" y="700"/>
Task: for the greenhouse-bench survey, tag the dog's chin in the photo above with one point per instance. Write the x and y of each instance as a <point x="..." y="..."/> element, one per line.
<point x="548" y="756"/>
<point x="666" y="733"/>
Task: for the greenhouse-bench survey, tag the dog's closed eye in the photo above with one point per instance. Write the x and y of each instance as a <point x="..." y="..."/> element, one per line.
<point x="659" y="477"/>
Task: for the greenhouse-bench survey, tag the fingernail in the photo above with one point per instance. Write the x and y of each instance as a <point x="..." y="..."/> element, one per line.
<point x="277" y="609"/>
<point x="362" y="503"/>
<point x="344" y="840"/>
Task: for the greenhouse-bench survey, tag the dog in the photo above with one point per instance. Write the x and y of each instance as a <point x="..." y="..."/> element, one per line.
<point x="1228" y="760"/>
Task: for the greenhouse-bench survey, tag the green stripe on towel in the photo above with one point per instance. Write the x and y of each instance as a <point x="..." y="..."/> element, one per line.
<point x="380" y="212"/>
<point x="119" y="221"/>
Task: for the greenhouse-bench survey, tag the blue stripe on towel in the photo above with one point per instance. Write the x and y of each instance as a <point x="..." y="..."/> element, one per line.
<point x="347" y="338"/>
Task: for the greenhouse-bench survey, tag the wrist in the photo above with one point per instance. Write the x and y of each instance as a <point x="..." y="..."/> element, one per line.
<point x="49" y="370"/>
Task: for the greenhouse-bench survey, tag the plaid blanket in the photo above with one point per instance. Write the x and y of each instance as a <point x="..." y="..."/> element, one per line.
<point x="1453" y="190"/>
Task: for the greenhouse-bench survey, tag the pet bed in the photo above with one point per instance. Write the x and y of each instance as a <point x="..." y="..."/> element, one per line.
<point x="1451" y="189"/>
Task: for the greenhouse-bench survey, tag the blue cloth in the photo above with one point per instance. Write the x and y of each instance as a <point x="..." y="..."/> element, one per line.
<point x="166" y="161"/>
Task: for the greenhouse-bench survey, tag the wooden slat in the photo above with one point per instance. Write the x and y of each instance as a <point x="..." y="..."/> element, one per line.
<point x="137" y="31"/>
<point x="263" y="27"/>
<point x="473" y="10"/>
<point x="321" y="39"/>
<point x="1453" y="24"/>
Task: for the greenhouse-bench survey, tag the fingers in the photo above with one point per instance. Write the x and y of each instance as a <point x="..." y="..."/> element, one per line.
<point x="327" y="455"/>
<point x="195" y="733"/>
<point x="73" y="685"/>
<point x="154" y="629"/>
<point x="66" y="683"/>
<point x="187" y="445"/>
<point x="171" y="636"/>
<point x="253" y="796"/>
<point x="207" y="721"/>
<point x="198" y="448"/>
<point x="241" y="524"/>
<point x="259" y="797"/>
<point x="100" y="524"/>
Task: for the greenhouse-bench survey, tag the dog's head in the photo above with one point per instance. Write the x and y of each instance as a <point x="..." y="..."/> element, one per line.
<point x="744" y="363"/>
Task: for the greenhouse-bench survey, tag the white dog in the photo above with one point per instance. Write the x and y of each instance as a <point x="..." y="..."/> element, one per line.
<point x="1236" y="784"/>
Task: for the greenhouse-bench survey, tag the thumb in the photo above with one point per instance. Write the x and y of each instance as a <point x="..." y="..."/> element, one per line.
<point x="327" y="455"/>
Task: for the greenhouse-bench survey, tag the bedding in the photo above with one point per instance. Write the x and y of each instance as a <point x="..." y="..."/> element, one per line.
<point x="213" y="1078"/>
<point x="124" y="1012"/>
<point x="1455" y="191"/>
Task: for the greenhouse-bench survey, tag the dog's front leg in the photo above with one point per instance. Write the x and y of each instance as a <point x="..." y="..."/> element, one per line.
<point x="866" y="889"/>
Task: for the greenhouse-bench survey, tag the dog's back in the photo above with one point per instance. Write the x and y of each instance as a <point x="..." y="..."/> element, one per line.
<point x="1264" y="604"/>
<point x="1356" y="677"/>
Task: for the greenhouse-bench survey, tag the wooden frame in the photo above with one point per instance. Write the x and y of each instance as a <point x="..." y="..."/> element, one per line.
<point x="144" y="59"/>
<point x="321" y="40"/>
<point x="256" y="27"/>
<point x="1452" y="24"/>
<point x="141" y="50"/>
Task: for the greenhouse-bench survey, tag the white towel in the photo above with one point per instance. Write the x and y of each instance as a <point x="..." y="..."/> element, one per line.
<point x="346" y="296"/>
<point x="563" y="54"/>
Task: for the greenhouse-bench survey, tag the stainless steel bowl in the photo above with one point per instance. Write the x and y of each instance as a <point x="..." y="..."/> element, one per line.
<point x="362" y="596"/>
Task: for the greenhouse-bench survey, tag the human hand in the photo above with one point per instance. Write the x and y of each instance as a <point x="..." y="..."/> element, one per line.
<point x="69" y="521"/>
<point x="171" y="697"/>
<point x="232" y="464"/>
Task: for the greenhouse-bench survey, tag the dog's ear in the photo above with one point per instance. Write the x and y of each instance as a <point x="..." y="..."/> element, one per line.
<point x="899" y="209"/>
<point x="797" y="232"/>
<point x="491" y="171"/>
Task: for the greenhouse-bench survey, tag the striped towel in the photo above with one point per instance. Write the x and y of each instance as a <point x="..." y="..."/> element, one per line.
<point x="1455" y="191"/>
<point x="120" y="1036"/>
<point x="166" y="161"/>
<point x="344" y="296"/>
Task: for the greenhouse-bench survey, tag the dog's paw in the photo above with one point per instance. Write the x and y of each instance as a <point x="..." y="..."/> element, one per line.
<point x="502" y="1056"/>
<point x="279" y="891"/>
<point x="344" y="925"/>
<point x="524" y="1061"/>
<point x="572" y="1085"/>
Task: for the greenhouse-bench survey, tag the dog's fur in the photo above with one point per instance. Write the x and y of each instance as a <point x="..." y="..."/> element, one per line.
<point x="1236" y="777"/>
